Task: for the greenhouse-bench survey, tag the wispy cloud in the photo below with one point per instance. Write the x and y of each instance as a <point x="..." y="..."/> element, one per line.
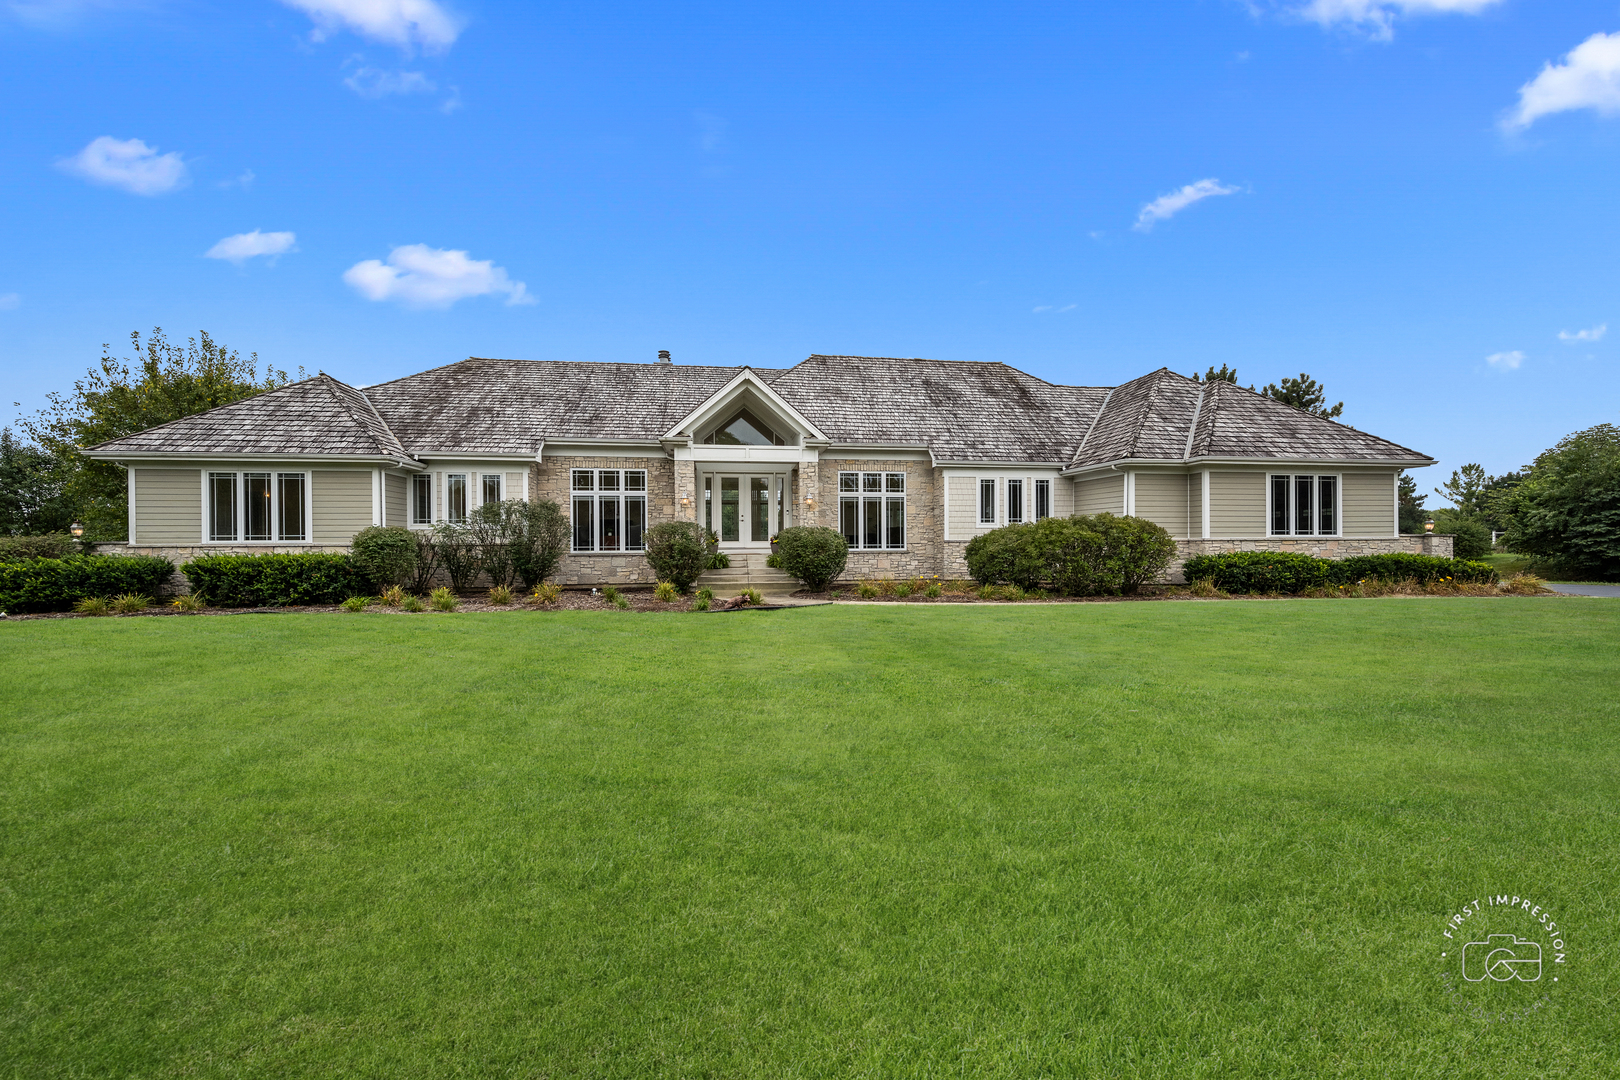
<point x="243" y="180"/>
<point x="408" y="24"/>
<point x="1377" y="17"/>
<point x="1168" y="206"/>
<point x="244" y="246"/>
<point x="9" y="301"/>
<point x="1588" y="77"/>
<point x="370" y="82"/>
<point x="1594" y="334"/>
<point x="128" y="164"/>
<point x="1505" y="361"/>
<point x="419" y="276"/>
<point x="1053" y="308"/>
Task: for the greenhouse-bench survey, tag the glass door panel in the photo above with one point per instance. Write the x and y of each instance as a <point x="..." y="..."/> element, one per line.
<point x="730" y="509"/>
<point x="759" y="509"/>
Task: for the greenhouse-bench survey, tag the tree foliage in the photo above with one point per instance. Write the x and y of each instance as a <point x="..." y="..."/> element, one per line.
<point x="31" y="499"/>
<point x="1305" y="394"/>
<point x="1225" y="374"/>
<point x="1410" y="504"/>
<point x="161" y="383"/>
<point x="1566" y="510"/>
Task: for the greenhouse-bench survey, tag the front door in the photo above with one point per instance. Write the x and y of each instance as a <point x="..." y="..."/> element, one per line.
<point x="743" y="509"/>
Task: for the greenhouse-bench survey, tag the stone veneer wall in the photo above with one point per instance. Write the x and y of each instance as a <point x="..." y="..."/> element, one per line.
<point x="549" y="479"/>
<point x="925" y="520"/>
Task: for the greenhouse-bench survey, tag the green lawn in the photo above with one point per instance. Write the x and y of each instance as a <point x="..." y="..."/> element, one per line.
<point x="1158" y="839"/>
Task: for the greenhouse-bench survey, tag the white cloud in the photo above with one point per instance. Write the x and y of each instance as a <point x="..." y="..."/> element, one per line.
<point x="406" y="23"/>
<point x="1594" y="334"/>
<point x="1587" y="78"/>
<point x="1377" y="17"/>
<point x="1505" y="361"/>
<point x="243" y="246"/>
<point x="129" y="164"/>
<point x="9" y="301"/>
<point x="1167" y="206"/>
<point x="420" y="276"/>
<point x="370" y="82"/>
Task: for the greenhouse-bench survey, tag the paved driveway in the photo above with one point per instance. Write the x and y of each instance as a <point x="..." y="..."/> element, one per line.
<point x="1585" y="590"/>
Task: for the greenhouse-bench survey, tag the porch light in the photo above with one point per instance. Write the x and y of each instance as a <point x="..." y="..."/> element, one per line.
<point x="1428" y="526"/>
<point x="77" y="529"/>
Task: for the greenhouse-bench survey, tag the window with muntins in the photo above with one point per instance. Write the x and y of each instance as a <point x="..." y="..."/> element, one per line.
<point x="872" y="510"/>
<point x="492" y="488"/>
<point x="1015" y="501"/>
<point x="1043" y="499"/>
<point x="987" y="502"/>
<point x="422" y="499"/>
<point x="609" y="509"/>
<point x="1302" y="505"/>
<point x="257" y="507"/>
<point x="455" y="497"/>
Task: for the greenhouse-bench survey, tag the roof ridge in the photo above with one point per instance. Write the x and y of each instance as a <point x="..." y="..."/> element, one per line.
<point x="1192" y="428"/>
<point x="343" y="403"/>
<point x="1095" y="420"/>
<point x="1141" y="417"/>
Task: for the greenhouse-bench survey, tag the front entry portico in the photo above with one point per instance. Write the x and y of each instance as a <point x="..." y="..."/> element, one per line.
<point x="745" y="509"/>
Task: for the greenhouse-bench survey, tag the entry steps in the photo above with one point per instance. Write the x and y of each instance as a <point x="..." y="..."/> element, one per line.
<point x="748" y="568"/>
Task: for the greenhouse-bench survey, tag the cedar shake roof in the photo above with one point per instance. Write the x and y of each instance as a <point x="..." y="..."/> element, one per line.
<point x="312" y="416"/>
<point x="961" y="411"/>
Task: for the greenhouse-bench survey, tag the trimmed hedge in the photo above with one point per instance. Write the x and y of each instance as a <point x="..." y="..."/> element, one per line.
<point x="1103" y="554"/>
<point x="814" y="554"/>
<point x="385" y="555"/>
<point x="57" y="584"/>
<point x="677" y="551"/>
<point x="274" y="580"/>
<point x="1291" y="572"/>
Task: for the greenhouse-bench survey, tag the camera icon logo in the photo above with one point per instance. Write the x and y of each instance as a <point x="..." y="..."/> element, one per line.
<point x="1502" y="957"/>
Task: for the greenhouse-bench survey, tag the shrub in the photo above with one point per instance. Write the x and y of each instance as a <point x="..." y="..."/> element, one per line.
<point x="677" y="552"/>
<point x="665" y="592"/>
<point x="992" y="557"/>
<point x="1133" y="552"/>
<point x="427" y="560"/>
<point x="458" y="551"/>
<point x="1471" y="538"/>
<point x="545" y="594"/>
<point x="384" y="556"/>
<point x="393" y="596"/>
<point x="610" y="594"/>
<point x="902" y="589"/>
<point x="774" y="561"/>
<point x="412" y="603"/>
<point x="274" y="580"/>
<point x="188" y="602"/>
<point x="933" y="591"/>
<point x="58" y="584"/>
<point x="1526" y="585"/>
<point x="866" y="590"/>
<point x="538" y="539"/>
<point x="1567" y="510"/>
<point x="500" y="595"/>
<point x="130" y="603"/>
<point x="814" y="554"/>
<point x="703" y="599"/>
<point x="356" y="603"/>
<point x="987" y="592"/>
<point x="1288" y="572"/>
<point x="442" y="599"/>
<point x="1080" y="556"/>
<point x="44" y="546"/>
<point x="93" y="605"/>
<point x="719" y="561"/>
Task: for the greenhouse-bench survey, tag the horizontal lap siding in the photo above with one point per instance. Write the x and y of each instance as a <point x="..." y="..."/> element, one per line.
<point x="1162" y="499"/>
<point x="1237" y="504"/>
<point x="395" y="502"/>
<point x="168" y="506"/>
<point x="1062" y="497"/>
<point x="1195" y="505"/>
<point x="1369" y="504"/>
<point x="962" y="507"/>
<point x="1102" y="494"/>
<point x="341" y="503"/>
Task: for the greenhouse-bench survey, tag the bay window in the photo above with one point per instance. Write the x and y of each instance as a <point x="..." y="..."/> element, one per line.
<point x="257" y="507"/>
<point x="872" y="510"/>
<point x="1303" y="505"/>
<point x="609" y="509"/>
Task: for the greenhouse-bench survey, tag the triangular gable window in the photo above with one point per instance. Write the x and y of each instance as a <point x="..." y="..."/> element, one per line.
<point x="746" y="429"/>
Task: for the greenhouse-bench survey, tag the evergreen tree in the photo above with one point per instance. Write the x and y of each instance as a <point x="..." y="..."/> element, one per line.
<point x="1305" y="394"/>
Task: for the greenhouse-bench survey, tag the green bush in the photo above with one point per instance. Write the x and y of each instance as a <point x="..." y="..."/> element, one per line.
<point x="1567" y="510"/>
<point x="459" y="553"/>
<point x="44" y="546"/>
<point x="677" y="552"/>
<point x="1078" y="556"/>
<point x="384" y="555"/>
<point x="812" y="553"/>
<point x="427" y="561"/>
<point x="1290" y="572"/>
<point x="274" y="580"/>
<point x="1471" y="538"/>
<point x="539" y="540"/>
<point x="57" y="584"/>
<point x="992" y="557"/>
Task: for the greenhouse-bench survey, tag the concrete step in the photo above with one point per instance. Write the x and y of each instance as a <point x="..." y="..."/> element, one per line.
<point x="748" y="569"/>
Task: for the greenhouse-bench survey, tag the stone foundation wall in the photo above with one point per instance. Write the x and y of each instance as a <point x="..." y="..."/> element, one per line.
<point x="925" y="520"/>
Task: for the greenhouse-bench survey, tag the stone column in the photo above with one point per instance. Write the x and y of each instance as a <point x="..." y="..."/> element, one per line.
<point x="686" y="493"/>
<point x="810" y="509"/>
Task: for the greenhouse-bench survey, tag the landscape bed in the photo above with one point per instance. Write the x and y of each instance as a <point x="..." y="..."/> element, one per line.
<point x="1172" y="840"/>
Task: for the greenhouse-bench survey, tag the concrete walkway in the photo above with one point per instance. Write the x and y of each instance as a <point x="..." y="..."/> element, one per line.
<point x="1584" y="590"/>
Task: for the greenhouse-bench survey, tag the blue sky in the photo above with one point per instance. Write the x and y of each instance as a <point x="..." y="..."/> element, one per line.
<point x="1410" y="200"/>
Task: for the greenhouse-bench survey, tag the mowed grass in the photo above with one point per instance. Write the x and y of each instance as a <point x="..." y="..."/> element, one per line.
<point x="1168" y="840"/>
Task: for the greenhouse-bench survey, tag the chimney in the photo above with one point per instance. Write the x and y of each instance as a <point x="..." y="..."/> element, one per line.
<point x="663" y="357"/>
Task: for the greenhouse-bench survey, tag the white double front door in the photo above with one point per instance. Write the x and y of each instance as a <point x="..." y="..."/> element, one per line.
<point x="745" y="510"/>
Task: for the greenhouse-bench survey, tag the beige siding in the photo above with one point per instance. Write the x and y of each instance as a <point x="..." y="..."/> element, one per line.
<point x="1162" y="499"/>
<point x="514" y="485"/>
<point x="1062" y="497"/>
<point x="341" y="501"/>
<point x="1368" y="502"/>
<point x="1237" y="504"/>
<point x="1195" y="505"/>
<point x="394" y="504"/>
<point x="1100" y="494"/>
<point x="962" y="506"/>
<point x="168" y="506"/>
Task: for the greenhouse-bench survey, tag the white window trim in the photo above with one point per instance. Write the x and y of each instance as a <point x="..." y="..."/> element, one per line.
<point x="1035" y="494"/>
<point x="1338" y="505"/>
<point x="621" y="496"/>
<point x="241" y="505"/>
<point x="882" y="497"/>
<point x="410" y="501"/>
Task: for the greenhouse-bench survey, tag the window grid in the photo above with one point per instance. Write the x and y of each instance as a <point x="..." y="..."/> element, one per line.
<point x="1303" y="505"/>
<point x="1015" y="501"/>
<point x="422" y="499"/>
<point x="609" y="509"/>
<point x="257" y="507"/>
<point x="1043" y="499"/>
<point x="987" y="502"/>
<point x="872" y="510"/>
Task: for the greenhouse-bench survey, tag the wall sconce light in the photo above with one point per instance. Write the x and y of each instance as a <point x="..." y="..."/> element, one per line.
<point x="77" y="529"/>
<point x="1428" y="526"/>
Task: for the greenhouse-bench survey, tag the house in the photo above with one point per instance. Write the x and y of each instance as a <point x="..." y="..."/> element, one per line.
<point x="909" y="459"/>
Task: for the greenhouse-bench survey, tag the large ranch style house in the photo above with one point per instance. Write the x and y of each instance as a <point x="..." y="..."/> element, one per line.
<point x="909" y="459"/>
